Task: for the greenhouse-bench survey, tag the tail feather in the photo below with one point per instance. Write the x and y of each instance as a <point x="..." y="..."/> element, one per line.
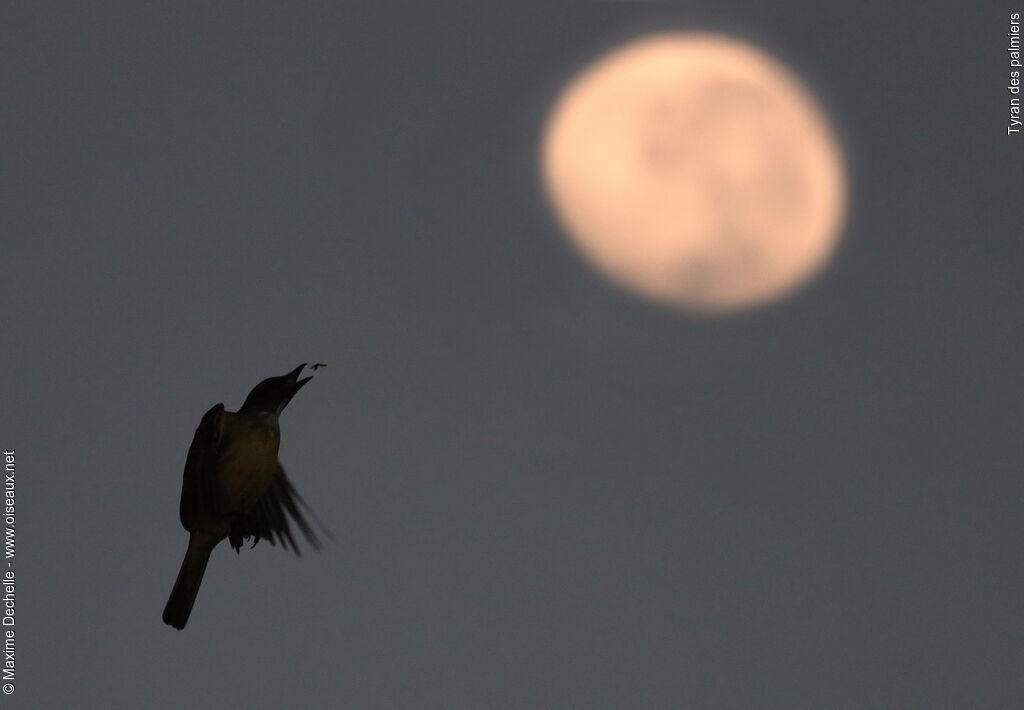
<point x="186" y="586"/>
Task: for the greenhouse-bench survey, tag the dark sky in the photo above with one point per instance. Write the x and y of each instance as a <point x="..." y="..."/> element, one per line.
<point x="545" y="493"/>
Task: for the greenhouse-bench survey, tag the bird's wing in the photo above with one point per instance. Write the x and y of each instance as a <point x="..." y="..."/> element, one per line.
<point x="272" y="516"/>
<point x="200" y="489"/>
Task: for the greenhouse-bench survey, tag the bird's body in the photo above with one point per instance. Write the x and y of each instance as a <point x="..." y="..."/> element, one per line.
<point x="249" y="457"/>
<point x="234" y="486"/>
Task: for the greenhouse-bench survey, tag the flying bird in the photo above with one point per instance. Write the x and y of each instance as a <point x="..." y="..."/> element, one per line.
<point x="234" y="487"/>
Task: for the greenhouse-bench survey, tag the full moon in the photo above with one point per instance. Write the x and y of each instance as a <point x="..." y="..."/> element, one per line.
<point x="696" y="170"/>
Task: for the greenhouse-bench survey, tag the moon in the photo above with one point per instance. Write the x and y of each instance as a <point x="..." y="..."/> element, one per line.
<point x="696" y="170"/>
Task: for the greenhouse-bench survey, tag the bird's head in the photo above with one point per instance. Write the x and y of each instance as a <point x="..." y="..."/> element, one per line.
<point x="274" y="393"/>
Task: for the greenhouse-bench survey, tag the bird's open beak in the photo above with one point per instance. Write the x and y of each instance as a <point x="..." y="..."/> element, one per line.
<point x="293" y="376"/>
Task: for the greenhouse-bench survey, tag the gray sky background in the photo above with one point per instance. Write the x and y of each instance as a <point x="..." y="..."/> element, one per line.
<point x="545" y="493"/>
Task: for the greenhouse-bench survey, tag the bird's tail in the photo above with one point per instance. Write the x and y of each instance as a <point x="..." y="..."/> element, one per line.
<point x="186" y="586"/>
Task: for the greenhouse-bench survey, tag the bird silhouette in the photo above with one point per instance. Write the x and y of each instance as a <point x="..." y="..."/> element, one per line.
<point x="234" y="487"/>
